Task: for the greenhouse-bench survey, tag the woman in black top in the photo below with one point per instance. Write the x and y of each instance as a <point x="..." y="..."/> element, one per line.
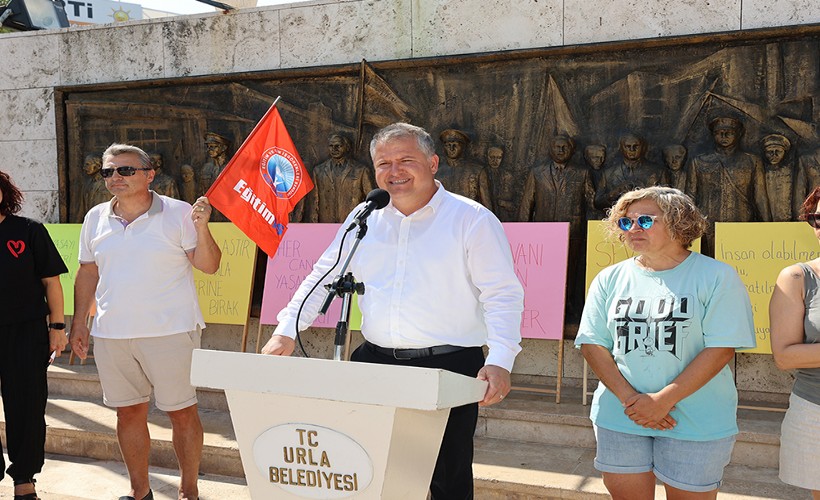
<point x="30" y="292"/>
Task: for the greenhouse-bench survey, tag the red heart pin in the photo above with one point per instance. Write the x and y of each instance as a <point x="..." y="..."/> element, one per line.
<point x="16" y="247"/>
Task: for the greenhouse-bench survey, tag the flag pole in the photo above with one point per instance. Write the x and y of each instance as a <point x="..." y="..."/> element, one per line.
<point x="239" y="150"/>
<point x="248" y="317"/>
<point x="262" y="182"/>
<point x="360" y="125"/>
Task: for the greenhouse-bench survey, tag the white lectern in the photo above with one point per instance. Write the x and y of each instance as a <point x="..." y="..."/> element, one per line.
<point x="314" y="428"/>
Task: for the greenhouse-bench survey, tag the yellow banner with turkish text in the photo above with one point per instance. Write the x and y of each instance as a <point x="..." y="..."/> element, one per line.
<point x="225" y="296"/>
<point x="759" y="251"/>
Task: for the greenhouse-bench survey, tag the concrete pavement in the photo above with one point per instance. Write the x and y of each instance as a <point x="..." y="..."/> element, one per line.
<point x="75" y="478"/>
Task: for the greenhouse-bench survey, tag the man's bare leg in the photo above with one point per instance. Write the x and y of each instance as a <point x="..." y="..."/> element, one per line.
<point x="188" y="441"/>
<point x="135" y="446"/>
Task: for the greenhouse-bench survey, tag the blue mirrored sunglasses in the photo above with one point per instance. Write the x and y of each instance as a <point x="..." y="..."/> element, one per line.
<point x="643" y="221"/>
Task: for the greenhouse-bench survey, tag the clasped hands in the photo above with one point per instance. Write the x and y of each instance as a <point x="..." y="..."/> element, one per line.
<point x="650" y="411"/>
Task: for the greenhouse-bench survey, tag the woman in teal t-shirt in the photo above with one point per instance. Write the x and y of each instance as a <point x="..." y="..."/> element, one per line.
<point x="659" y="331"/>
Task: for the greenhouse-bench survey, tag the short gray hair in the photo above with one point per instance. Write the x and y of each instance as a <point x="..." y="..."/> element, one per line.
<point x="401" y="130"/>
<point x="121" y="149"/>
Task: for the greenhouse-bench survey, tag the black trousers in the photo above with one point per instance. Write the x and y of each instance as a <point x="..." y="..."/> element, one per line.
<point x="24" y="358"/>
<point x="453" y="475"/>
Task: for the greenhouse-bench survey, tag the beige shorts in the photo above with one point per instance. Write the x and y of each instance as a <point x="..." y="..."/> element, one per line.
<point x="128" y="369"/>
<point x="799" y="449"/>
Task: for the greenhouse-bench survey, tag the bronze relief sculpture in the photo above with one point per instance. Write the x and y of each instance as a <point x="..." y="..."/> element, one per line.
<point x="728" y="184"/>
<point x="163" y="183"/>
<point x="667" y="93"/>
<point x="340" y="182"/>
<point x="674" y="159"/>
<point x="779" y="172"/>
<point x="561" y="190"/>
<point x="93" y="187"/>
<point x="460" y="175"/>
<point x="629" y="170"/>
<point x="502" y="186"/>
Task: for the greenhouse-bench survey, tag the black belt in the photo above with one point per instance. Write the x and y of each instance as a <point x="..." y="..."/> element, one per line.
<point x="415" y="353"/>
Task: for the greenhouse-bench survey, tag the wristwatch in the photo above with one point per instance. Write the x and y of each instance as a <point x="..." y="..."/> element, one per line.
<point x="56" y="326"/>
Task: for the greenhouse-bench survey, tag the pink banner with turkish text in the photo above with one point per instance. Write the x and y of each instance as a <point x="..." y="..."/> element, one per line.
<point x="539" y="251"/>
<point x="300" y="248"/>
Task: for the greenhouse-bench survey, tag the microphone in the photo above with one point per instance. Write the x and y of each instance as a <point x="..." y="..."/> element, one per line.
<point x="344" y="284"/>
<point x="375" y="200"/>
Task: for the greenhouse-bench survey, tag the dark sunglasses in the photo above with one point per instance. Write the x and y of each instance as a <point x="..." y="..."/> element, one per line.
<point x="643" y="221"/>
<point x="813" y="220"/>
<point x="125" y="171"/>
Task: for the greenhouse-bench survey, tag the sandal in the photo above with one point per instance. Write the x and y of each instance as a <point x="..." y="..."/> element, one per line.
<point x="149" y="496"/>
<point x="27" y="496"/>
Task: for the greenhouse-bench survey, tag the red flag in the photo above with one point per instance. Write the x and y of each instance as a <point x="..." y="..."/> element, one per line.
<point x="262" y="183"/>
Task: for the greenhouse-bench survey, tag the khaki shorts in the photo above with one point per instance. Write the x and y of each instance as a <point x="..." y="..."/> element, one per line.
<point x="799" y="448"/>
<point x="128" y="369"/>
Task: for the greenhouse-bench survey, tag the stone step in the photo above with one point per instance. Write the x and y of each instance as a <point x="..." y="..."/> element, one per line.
<point x="524" y="416"/>
<point x="528" y="417"/>
<point x="82" y="428"/>
<point x="82" y="381"/>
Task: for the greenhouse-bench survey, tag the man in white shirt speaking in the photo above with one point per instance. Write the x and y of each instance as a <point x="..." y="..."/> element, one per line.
<point x="440" y="285"/>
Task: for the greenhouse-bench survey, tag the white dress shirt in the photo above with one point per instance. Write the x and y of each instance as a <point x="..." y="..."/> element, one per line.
<point x="442" y="275"/>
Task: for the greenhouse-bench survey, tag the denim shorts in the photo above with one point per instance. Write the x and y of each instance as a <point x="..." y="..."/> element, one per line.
<point x="695" y="466"/>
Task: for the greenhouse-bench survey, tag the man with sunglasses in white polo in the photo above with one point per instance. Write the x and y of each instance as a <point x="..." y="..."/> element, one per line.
<point x="136" y="256"/>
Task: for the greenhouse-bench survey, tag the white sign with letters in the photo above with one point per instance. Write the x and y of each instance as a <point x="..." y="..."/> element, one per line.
<point x="312" y="461"/>
<point x="101" y="11"/>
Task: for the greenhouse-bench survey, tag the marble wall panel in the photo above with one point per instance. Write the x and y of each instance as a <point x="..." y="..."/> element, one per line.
<point x="757" y="372"/>
<point x="35" y="61"/>
<point x="767" y="13"/>
<point x="345" y="32"/>
<point x="458" y="27"/>
<point x="588" y="21"/>
<point x="41" y="206"/>
<point x="112" y="54"/>
<point x="28" y="114"/>
<point x="230" y="43"/>
<point x="32" y="165"/>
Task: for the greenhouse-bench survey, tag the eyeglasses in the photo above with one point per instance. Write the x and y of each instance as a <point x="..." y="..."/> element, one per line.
<point x="813" y="220"/>
<point x="124" y="171"/>
<point x="643" y="221"/>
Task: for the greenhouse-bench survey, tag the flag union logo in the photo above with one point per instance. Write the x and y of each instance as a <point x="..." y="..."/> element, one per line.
<point x="281" y="171"/>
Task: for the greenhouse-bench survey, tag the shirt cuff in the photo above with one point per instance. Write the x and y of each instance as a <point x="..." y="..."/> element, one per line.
<point x="501" y="357"/>
<point x="286" y="328"/>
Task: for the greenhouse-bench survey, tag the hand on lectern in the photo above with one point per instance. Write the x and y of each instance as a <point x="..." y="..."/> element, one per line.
<point x="499" y="384"/>
<point x="279" y="345"/>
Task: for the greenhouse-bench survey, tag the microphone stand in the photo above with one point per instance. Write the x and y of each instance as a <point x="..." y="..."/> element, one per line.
<point x="344" y="285"/>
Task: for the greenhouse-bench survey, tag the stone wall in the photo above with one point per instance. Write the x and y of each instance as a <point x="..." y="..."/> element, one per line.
<point x="319" y="33"/>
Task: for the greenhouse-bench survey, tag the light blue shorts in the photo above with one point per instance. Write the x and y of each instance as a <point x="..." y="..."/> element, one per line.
<point x="695" y="466"/>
